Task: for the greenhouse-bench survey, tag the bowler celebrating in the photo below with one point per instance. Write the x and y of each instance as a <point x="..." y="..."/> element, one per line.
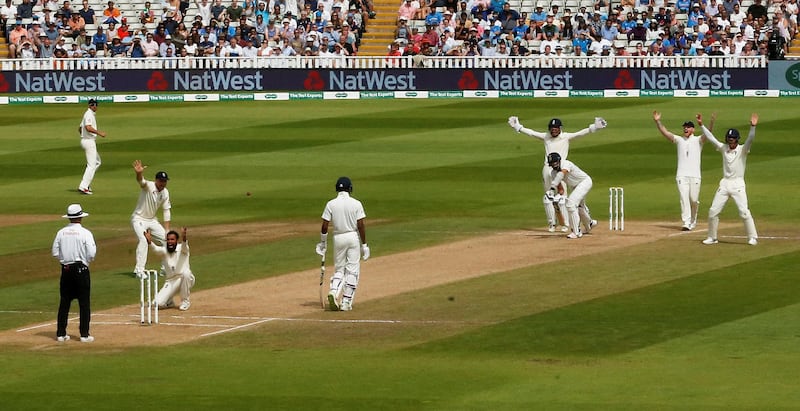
<point x="152" y="196"/>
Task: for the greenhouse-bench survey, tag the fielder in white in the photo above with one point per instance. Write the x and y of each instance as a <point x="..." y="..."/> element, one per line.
<point x="688" y="176"/>
<point x="153" y="194"/>
<point x="175" y="260"/>
<point x="579" y="184"/>
<point x="734" y="162"/>
<point x="347" y="215"/>
<point x="556" y="141"/>
<point x="88" y="131"/>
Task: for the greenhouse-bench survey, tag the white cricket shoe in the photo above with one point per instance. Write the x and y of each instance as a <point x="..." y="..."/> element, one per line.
<point x="564" y="229"/>
<point x="552" y="228"/>
<point x="752" y="241"/>
<point x="686" y="227"/>
<point x="592" y="223"/>
<point x="332" y="304"/>
<point x="185" y="304"/>
<point x="573" y="235"/>
<point x="62" y="338"/>
<point x="692" y="226"/>
<point x="88" y="338"/>
<point x="709" y="241"/>
<point x="170" y="304"/>
<point x="346" y="306"/>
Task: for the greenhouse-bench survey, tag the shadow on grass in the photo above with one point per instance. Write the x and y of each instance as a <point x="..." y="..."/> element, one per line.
<point x="639" y="318"/>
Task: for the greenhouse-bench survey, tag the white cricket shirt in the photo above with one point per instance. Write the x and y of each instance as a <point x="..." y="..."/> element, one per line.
<point x="344" y="212"/>
<point x="689" y="155"/>
<point x="150" y="199"/>
<point x="74" y="243"/>
<point x="88" y="120"/>
<point x="558" y="144"/>
<point x="734" y="161"/>
<point x="176" y="263"/>
<point x="574" y="176"/>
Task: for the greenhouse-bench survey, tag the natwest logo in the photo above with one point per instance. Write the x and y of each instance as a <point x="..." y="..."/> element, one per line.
<point x="216" y="80"/>
<point x="371" y="80"/>
<point x="57" y="82"/>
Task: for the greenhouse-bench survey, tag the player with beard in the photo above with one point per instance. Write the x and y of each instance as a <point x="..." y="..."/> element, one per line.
<point x="175" y="260"/>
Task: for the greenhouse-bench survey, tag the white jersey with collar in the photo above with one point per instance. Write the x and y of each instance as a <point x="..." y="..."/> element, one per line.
<point x="74" y="243"/>
<point x="150" y="199"/>
<point x="558" y="144"/>
<point x="689" y="155"/>
<point x="89" y="119"/>
<point x="734" y="161"/>
<point x="344" y="212"/>
<point x="175" y="263"/>
<point x="574" y="175"/>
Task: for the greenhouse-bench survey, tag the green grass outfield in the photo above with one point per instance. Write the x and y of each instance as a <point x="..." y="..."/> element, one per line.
<point x="716" y="329"/>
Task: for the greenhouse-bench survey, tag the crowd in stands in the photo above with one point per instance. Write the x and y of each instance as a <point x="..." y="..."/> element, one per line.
<point x="595" y="27"/>
<point x="179" y="28"/>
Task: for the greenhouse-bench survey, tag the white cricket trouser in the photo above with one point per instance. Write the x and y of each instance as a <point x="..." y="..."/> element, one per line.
<point x="347" y="262"/>
<point x="689" y="192"/>
<point x="157" y="232"/>
<point x="92" y="162"/>
<point x="577" y="198"/>
<point x="731" y="188"/>
<point x="549" y="207"/>
<point x="175" y="285"/>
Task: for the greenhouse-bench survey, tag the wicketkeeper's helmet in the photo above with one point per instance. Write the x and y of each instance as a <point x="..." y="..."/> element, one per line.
<point x="732" y="133"/>
<point x="344" y="184"/>
<point x="556" y="122"/>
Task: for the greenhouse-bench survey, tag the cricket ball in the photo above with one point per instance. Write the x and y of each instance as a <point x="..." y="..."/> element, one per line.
<point x="248" y="194"/>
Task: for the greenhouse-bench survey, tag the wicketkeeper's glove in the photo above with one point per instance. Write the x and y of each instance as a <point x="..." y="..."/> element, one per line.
<point x="513" y="121"/>
<point x="599" y="123"/>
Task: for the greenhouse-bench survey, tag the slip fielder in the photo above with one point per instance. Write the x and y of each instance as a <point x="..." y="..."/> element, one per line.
<point x="153" y="195"/>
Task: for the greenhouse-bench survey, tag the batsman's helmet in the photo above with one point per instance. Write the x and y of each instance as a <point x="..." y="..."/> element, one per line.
<point x="553" y="158"/>
<point x="344" y="184"/>
<point x="556" y="122"/>
<point x="732" y="133"/>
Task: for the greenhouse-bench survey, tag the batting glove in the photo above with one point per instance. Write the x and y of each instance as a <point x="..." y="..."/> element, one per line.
<point x="364" y="252"/>
<point x="513" y="121"/>
<point x="550" y="194"/>
<point x="600" y="123"/>
<point x="322" y="246"/>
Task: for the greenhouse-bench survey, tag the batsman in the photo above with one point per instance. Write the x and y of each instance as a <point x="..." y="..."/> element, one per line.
<point x="349" y="244"/>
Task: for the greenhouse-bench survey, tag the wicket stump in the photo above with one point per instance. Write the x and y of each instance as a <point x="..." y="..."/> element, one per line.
<point x="152" y="290"/>
<point x="616" y="208"/>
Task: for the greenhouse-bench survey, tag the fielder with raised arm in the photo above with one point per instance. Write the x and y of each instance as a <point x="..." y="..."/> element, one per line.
<point x="734" y="162"/>
<point x="153" y="195"/>
<point x="579" y="184"/>
<point x="175" y="260"/>
<point x="688" y="176"/>
<point x="347" y="215"/>
<point x="555" y="141"/>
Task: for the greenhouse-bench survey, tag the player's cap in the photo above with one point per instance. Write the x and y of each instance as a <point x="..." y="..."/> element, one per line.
<point x="75" y="211"/>
<point x="732" y="133"/>
<point x="92" y="102"/>
<point x="688" y="124"/>
<point x="344" y="184"/>
<point x="162" y="175"/>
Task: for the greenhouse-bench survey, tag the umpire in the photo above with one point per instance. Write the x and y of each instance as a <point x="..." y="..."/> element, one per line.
<point x="75" y="248"/>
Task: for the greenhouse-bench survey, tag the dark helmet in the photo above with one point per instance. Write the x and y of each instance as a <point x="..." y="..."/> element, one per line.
<point x="556" y="122"/>
<point x="732" y="133"/>
<point x="344" y="184"/>
<point x="553" y="158"/>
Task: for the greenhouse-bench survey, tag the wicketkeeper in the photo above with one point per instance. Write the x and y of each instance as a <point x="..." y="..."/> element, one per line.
<point x="349" y="244"/>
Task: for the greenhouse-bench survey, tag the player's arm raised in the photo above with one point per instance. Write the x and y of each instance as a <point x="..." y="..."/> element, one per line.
<point x="661" y="128"/>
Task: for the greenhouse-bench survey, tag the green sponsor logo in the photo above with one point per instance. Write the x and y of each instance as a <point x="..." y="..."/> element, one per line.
<point x="761" y="92"/>
<point x="481" y="94"/>
<point x="131" y="98"/>
<point x="166" y="97"/>
<point x="517" y="93"/>
<point x="26" y="100"/>
<point x="340" y="95"/>
<point x="551" y="93"/>
<point x="270" y="96"/>
<point x="657" y="93"/>
<point x="586" y="93"/>
<point x="307" y="95"/>
<point x="793" y="75"/>
<point x="725" y="93"/>
<point x="691" y="93"/>
<point x="622" y="94"/>
<point x="60" y="98"/>
<point x="99" y="99"/>
<point x="201" y="97"/>
<point x="237" y="96"/>
<point x="790" y="93"/>
<point x="411" y="94"/>
<point x="445" y="94"/>
<point x="376" y="94"/>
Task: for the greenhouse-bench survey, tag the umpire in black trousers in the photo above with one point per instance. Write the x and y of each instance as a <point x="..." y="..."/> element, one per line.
<point x="74" y="247"/>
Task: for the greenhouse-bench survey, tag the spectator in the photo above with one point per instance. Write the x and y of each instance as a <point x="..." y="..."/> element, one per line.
<point x="234" y="11"/>
<point x="638" y="32"/>
<point x="757" y="10"/>
<point x="25" y="10"/>
<point x="402" y="31"/>
<point x="609" y="31"/>
<point x="550" y="28"/>
<point x="550" y="43"/>
<point x="111" y="14"/>
<point x="204" y="10"/>
<point x="64" y="11"/>
<point x="408" y="10"/>
<point x="117" y="48"/>
<point x="149" y="46"/>
<point x="8" y="12"/>
<point x="170" y="22"/>
<point x="87" y="12"/>
<point x="509" y="18"/>
<point x="123" y="31"/>
<point x="100" y="39"/>
<point x="502" y="49"/>
<point x="728" y="5"/>
<point x="433" y="18"/>
<point x="167" y="45"/>
<point x="738" y="16"/>
<point x="46" y="47"/>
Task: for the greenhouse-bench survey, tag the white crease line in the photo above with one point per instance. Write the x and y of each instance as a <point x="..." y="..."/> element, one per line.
<point x="237" y="327"/>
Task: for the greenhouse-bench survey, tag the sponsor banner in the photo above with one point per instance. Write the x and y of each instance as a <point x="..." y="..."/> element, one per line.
<point x="410" y="94"/>
<point x="270" y="96"/>
<point x="516" y="94"/>
<point x="726" y="93"/>
<point x="100" y="98"/>
<point x="59" y="99"/>
<point x="201" y="97"/>
<point x="446" y="94"/>
<point x="656" y="93"/>
<point x="3" y="100"/>
<point x="620" y="93"/>
<point x="789" y="93"/>
<point x="166" y="98"/>
<point x="341" y="95"/>
<point x="551" y="93"/>
<point x="366" y="95"/>
<point x="783" y="75"/>
<point x="481" y="94"/>
<point x="25" y="100"/>
<point x="237" y="97"/>
<point x="397" y="80"/>
<point x="586" y="93"/>
<point x="306" y="95"/>
<point x="761" y="93"/>
<point x="131" y="98"/>
<point x="692" y="93"/>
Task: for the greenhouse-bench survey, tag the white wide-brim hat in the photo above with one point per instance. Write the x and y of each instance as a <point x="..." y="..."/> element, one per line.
<point x="75" y="211"/>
